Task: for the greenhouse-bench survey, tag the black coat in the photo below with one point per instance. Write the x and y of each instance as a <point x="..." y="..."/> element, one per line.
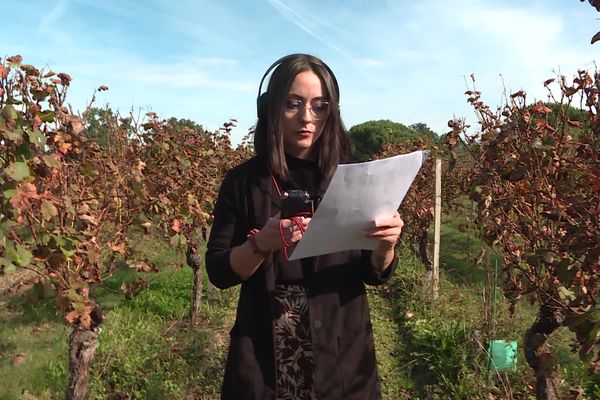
<point x="342" y="335"/>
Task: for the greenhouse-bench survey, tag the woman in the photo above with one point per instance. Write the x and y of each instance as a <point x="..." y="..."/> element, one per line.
<point x="302" y="329"/>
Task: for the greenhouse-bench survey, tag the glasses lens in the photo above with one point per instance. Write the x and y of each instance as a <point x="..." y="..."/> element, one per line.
<point x="319" y="109"/>
<point x="294" y="105"/>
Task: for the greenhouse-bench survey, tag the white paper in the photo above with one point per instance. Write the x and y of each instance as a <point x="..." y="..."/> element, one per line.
<point x="356" y="196"/>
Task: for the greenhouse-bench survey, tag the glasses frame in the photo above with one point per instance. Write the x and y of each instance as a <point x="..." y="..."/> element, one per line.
<point x="302" y="106"/>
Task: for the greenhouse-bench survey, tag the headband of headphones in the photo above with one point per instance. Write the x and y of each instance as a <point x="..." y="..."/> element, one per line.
<point x="261" y="99"/>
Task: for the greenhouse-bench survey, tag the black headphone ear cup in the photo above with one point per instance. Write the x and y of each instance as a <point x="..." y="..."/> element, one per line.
<point x="261" y="106"/>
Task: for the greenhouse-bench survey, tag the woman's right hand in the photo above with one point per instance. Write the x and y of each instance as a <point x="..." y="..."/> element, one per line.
<point x="269" y="237"/>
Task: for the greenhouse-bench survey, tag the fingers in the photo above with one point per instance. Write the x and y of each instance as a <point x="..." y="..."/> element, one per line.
<point x="392" y="221"/>
<point x="386" y="229"/>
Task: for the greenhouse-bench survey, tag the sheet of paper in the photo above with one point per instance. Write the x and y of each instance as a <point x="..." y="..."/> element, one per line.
<point x="357" y="195"/>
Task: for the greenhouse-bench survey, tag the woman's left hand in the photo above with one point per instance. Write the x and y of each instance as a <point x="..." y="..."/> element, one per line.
<point x="386" y="230"/>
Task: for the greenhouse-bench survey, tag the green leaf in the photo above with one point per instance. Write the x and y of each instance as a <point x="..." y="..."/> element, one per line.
<point x="25" y="255"/>
<point x="73" y="296"/>
<point x="68" y="249"/>
<point x="46" y="116"/>
<point x="8" y="268"/>
<point x="565" y="270"/>
<point x="566" y="294"/>
<point x="17" y="171"/>
<point x="5" y="227"/>
<point x="9" y="112"/>
<point x="79" y="306"/>
<point x="16" y="135"/>
<point x="38" y="138"/>
<point x="19" y="255"/>
<point x="192" y="200"/>
<point x="65" y="244"/>
<point x="49" y="210"/>
<point x="51" y="161"/>
<point x="24" y="152"/>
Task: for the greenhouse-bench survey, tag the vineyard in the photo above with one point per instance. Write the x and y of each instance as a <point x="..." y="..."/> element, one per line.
<point x="100" y="213"/>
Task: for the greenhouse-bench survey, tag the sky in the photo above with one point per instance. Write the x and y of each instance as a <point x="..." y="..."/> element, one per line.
<point x="403" y="60"/>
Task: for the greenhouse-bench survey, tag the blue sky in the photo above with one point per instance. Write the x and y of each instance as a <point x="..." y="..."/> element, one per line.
<point x="404" y="60"/>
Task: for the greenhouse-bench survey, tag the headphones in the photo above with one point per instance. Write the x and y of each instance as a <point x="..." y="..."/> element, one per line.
<point x="263" y="98"/>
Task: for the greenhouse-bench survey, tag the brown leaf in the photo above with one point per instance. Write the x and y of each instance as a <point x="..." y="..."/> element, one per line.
<point x="64" y="148"/>
<point x="18" y="358"/>
<point x="144" y="266"/>
<point x="570" y="91"/>
<point x="118" y="248"/>
<point x="176" y="226"/>
<point x="65" y="79"/>
<point x="131" y="289"/>
<point x="76" y="126"/>
<point x="102" y="88"/>
<point x="15" y="60"/>
<point x="596" y="37"/>
<point x="24" y="193"/>
<point x="540" y="108"/>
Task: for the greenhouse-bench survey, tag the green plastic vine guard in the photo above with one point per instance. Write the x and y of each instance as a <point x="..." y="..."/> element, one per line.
<point x="502" y="355"/>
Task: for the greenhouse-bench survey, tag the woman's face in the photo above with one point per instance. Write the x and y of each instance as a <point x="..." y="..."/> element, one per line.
<point x="304" y="115"/>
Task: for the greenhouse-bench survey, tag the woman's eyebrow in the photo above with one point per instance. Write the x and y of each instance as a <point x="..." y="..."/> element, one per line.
<point x="297" y="96"/>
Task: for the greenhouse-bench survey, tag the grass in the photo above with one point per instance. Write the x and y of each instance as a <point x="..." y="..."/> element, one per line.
<point x="426" y="348"/>
<point x="31" y="336"/>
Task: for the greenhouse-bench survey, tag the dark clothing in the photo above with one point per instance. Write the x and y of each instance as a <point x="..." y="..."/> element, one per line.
<point x="341" y="331"/>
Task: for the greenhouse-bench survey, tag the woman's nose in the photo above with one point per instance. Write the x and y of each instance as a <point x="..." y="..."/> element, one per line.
<point x="306" y="114"/>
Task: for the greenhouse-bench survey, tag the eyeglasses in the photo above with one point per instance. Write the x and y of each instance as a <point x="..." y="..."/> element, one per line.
<point x="318" y="108"/>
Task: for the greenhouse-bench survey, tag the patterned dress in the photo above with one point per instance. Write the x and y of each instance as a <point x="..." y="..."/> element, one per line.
<point x="293" y="348"/>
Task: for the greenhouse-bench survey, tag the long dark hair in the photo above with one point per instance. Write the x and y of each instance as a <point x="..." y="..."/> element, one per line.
<point x="333" y="145"/>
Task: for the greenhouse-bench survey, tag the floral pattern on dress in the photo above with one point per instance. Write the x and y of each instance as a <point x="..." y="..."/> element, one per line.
<point x="293" y="346"/>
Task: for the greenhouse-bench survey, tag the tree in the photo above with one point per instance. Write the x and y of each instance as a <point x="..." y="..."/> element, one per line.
<point x="536" y="184"/>
<point x="369" y="137"/>
<point x="64" y="199"/>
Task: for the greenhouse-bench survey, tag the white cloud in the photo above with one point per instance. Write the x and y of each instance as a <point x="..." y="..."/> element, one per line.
<point x="370" y="63"/>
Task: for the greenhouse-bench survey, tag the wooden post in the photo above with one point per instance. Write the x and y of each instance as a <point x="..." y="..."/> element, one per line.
<point x="437" y="222"/>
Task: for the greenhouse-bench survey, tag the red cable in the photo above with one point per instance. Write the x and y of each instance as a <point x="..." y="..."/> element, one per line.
<point x="296" y="220"/>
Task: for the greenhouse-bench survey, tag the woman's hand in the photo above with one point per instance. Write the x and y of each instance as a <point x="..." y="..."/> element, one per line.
<point x="269" y="237"/>
<point x="386" y="231"/>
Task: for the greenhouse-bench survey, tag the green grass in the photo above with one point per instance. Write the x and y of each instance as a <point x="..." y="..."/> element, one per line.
<point x="36" y="332"/>
<point x="426" y="348"/>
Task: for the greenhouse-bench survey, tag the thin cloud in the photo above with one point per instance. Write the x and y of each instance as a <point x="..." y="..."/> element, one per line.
<point x="304" y="23"/>
<point x="370" y="63"/>
<point x="53" y="16"/>
<point x="176" y="75"/>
